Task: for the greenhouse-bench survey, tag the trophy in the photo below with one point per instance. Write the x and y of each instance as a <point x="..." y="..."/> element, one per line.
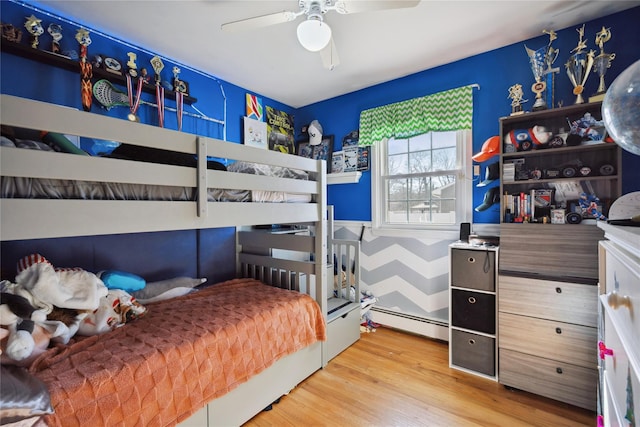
<point x="541" y="62"/>
<point x="34" y="27"/>
<point x="578" y="66"/>
<point x="516" y="95"/>
<point x="602" y="62"/>
<point x="55" y="31"/>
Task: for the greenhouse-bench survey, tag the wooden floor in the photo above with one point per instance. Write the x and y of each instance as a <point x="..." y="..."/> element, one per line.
<point x="391" y="378"/>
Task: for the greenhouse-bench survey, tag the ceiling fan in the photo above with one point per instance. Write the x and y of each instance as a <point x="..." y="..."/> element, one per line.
<point x="313" y="33"/>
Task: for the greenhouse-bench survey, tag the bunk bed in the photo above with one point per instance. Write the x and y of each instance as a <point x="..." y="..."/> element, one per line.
<point x="167" y="397"/>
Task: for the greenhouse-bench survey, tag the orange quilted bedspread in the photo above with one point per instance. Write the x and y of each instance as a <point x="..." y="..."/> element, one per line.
<point x="163" y="367"/>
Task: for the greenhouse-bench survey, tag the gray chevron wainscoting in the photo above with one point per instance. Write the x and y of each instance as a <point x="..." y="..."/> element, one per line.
<point x="409" y="277"/>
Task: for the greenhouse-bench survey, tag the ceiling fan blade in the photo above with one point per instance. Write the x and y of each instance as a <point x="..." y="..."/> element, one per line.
<point x="329" y="56"/>
<point x="357" y="6"/>
<point x="260" y="21"/>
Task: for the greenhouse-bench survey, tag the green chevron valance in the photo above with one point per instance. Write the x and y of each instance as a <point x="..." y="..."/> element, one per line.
<point x="443" y="111"/>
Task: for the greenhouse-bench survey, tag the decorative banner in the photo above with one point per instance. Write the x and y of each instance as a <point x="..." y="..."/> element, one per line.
<point x="255" y="133"/>
<point x="254" y="107"/>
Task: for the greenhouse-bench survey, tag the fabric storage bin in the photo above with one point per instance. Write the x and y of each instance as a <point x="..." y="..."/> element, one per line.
<point x="473" y="269"/>
<point x="473" y="310"/>
<point x="473" y="351"/>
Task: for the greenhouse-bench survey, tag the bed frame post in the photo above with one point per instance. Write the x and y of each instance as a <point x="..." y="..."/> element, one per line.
<point x="322" y="250"/>
<point x="201" y="149"/>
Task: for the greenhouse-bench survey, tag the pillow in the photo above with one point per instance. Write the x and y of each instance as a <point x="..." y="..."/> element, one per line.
<point x="114" y="279"/>
<point x="22" y="395"/>
<point x="153" y="289"/>
<point x="171" y="293"/>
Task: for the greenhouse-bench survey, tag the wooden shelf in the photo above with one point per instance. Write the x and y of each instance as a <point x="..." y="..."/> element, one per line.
<point x="72" y="65"/>
<point x="344" y="178"/>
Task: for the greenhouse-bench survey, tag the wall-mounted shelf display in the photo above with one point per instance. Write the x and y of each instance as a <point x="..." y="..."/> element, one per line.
<point x="72" y="65"/>
<point x="344" y="177"/>
<point x="556" y="166"/>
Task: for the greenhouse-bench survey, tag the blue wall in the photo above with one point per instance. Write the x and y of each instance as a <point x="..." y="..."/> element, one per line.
<point x="495" y="72"/>
<point x="35" y="80"/>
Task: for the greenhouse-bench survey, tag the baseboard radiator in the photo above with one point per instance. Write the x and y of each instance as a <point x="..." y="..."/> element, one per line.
<point x="431" y="328"/>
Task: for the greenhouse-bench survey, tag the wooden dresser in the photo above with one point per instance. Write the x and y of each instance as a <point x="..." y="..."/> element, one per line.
<point x="619" y="326"/>
<point x="547" y="322"/>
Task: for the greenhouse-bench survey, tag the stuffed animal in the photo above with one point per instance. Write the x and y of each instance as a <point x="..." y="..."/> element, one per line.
<point x="526" y="139"/>
<point x="18" y="317"/>
<point x="44" y="305"/>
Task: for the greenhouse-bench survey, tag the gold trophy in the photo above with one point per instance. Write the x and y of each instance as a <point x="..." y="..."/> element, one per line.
<point x="541" y="61"/>
<point x="601" y="63"/>
<point x="578" y="66"/>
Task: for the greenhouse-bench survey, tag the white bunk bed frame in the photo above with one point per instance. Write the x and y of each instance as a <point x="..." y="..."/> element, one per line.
<point x="22" y="219"/>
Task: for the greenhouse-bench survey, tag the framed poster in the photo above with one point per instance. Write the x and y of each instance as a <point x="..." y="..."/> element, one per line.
<point x="255" y="133"/>
<point x="280" y="131"/>
<point x="322" y="151"/>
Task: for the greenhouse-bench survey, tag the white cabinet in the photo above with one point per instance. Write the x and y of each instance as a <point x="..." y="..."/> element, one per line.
<point x="619" y="325"/>
<point x="472" y="309"/>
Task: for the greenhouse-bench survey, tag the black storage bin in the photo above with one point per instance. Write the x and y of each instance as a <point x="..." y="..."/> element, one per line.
<point x="473" y="310"/>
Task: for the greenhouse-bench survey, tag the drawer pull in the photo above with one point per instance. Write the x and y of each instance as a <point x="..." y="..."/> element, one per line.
<point x="558" y="290"/>
<point x="559" y="370"/>
<point x="558" y="331"/>
<point x="471" y="259"/>
<point x="472" y="341"/>
<point x="472" y="300"/>
<point x="616" y="301"/>
<point x="604" y="351"/>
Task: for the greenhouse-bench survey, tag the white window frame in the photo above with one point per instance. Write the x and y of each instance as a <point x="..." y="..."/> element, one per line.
<point x="464" y="194"/>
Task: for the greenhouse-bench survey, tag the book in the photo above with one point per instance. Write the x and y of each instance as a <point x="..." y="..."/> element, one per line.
<point x="350" y="155"/>
<point x="337" y="162"/>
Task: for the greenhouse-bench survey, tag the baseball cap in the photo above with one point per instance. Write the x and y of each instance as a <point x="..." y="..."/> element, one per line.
<point x="315" y="133"/>
<point x="491" y="197"/>
<point x="492" y="172"/>
<point x="490" y="148"/>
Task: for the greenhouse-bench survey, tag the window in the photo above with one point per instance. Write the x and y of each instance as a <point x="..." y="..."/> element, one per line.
<point x="421" y="181"/>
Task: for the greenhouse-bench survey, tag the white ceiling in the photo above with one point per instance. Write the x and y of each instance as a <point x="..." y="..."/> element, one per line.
<point x="373" y="47"/>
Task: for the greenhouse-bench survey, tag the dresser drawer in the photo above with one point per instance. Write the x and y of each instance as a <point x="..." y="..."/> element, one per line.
<point x="474" y="269"/>
<point x="620" y="372"/>
<point x="557" y="380"/>
<point x="474" y="352"/>
<point x="622" y="287"/>
<point x="473" y="310"/>
<point x="550" y="339"/>
<point x="548" y="299"/>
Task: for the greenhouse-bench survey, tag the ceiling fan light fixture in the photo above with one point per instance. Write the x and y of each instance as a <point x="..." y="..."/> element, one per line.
<point x="314" y="34"/>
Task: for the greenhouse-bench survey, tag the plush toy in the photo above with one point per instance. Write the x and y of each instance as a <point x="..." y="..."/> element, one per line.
<point x="45" y="304"/>
<point x="526" y="139"/>
<point x="18" y="317"/>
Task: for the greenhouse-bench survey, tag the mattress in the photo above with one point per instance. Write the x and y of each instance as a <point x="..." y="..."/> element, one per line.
<point x="161" y="368"/>
<point x="41" y="188"/>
